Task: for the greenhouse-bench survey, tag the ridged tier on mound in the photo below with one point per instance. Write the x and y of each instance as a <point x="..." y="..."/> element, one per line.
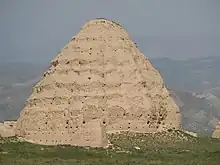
<point x="98" y="83"/>
<point x="216" y="133"/>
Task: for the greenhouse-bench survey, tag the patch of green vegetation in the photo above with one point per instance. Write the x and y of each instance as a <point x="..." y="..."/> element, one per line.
<point x="116" y="23"/>
<point x="128" y="148"/>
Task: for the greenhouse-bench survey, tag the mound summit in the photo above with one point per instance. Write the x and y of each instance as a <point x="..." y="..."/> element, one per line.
<point x="99" y="83"/>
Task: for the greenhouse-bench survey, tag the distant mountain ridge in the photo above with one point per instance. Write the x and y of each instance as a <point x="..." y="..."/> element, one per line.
<point x="193" y="75"/>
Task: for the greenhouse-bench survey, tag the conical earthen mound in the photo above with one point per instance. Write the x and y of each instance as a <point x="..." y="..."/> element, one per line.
<point x="99" y="83"/>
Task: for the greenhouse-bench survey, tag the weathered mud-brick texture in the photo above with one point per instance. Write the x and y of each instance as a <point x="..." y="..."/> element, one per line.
<point x="99" y="83"/>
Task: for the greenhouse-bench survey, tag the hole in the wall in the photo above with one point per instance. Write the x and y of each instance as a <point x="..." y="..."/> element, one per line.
<point x="89" y="78"/>
<point x="67" y="122"/>
<point x="77" y="126"/>
<point x="129" y="127"/>
<point x="84" y="122"/>
<point x="157" y="126"/>
<point x="66" y="127"/>
<point x="129" y="123"/>
<point x="71" y="127"/>
<point x="104" y="122"/>
<point x="90" y="53"/>
<point x="67" y="62"/>
<point x="148" y="122"/>
<point x="45" y="122"/>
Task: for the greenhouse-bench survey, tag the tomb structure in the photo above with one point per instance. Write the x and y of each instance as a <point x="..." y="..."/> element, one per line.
<point x="98" y="83"/>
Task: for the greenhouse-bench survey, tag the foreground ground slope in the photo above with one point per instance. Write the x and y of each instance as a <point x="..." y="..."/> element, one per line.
<point x="99" y="83"/>
<point x="127" y="149"/>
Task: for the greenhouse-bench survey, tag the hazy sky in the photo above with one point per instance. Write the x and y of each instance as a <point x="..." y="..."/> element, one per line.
<point x="38" y="29"/>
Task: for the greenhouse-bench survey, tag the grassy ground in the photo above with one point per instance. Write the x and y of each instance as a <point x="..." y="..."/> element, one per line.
<point x="153" y="151"/>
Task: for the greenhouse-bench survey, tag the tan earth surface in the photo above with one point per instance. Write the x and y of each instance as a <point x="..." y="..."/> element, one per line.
<point x="216" y="133"/>
<point x="99" y="83"/>
<point x="7" y="129"/>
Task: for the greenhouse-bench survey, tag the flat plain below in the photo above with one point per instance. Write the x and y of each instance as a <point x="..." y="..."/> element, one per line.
<point x="126" y="149"/>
